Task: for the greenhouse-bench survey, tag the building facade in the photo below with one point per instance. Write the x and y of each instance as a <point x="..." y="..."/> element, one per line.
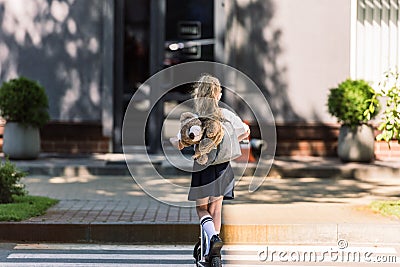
<point x="92" y="55"/>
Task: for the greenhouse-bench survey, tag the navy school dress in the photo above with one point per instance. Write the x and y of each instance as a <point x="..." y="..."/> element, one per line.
<point x="213" y="180"/>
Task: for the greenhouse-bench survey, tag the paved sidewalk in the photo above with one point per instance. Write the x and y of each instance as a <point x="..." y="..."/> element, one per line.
<point x="88" y="199"/>
<point x="325" y="200"/>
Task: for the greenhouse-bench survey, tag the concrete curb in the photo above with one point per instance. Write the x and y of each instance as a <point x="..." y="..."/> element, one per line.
<point x="135" y="233"/>
<point x="368" y="174"/>
<point x="183" y="233"/>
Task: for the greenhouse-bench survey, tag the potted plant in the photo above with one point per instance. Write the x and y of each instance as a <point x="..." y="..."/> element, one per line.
<point x="24" y="106"/>
<point x="348" y="103"/>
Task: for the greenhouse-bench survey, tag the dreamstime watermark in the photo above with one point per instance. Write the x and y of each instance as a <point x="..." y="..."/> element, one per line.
<point x="340" y="254"/>
<point x="146" y="100"/>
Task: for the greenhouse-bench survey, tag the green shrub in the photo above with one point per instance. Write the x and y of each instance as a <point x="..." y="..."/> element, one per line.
<point x="24" y="101"/>
<point x="390" y="92"/>
<point x="349" y="101"/>
<point x="9" y="182"/>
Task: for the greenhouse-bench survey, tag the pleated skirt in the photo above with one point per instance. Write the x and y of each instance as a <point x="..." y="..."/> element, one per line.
<point x="214" y="180"/>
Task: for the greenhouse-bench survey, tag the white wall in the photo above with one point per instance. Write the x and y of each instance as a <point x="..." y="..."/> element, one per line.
<point x="295" y="50"/>
<point x="59" y="44"/>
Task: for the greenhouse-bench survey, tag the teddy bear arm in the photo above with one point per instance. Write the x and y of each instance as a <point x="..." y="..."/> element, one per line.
<point x="206" y="145"/>
<point x="202" y="160"/>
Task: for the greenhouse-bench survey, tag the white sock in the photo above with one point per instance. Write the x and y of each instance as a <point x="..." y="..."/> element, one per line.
<point x="208" y="226"/>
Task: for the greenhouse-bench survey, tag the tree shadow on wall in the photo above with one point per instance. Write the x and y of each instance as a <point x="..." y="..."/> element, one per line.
<point x="57" y="43"/>
<point x="257" y="50"/>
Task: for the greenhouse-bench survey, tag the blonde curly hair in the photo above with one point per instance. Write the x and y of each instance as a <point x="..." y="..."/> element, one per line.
<point x="206" y="96"/>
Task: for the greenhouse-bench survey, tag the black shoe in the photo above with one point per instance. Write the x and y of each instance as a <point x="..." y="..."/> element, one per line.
<point x="215" y="247"/>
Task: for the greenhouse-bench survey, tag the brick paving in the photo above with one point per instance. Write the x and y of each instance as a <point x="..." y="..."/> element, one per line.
<point x="101" y="199"/>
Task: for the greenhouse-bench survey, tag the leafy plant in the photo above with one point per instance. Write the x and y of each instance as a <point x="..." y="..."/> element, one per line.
<point x="388" y="207"/>
<point x="10" y="182"/>
<point x="390" y="92"/>
<point x="349" y="101"/>
<point x="24" y="101"/>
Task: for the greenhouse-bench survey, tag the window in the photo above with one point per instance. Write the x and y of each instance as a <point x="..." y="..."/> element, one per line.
<point x="375" y="38"/>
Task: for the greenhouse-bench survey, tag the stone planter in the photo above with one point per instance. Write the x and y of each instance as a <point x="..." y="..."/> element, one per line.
<point x="356" y="144"/>
<point x="20" y="141"/>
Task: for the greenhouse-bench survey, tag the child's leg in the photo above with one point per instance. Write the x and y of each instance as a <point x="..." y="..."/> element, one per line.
<point x="215" y="210"/>
<point x="202" y="207"/>
<point x="206" y="220"/>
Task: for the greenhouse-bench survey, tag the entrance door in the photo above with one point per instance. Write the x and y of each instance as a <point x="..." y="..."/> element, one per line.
<point x="146" y="34"/>
<point x="132" y="60"/>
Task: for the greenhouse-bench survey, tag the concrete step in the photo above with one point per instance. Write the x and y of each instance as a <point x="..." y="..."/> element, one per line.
<point x="283" y="167"/>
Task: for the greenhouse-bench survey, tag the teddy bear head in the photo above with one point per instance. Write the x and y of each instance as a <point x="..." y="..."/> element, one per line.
<point x="191" y="129"/>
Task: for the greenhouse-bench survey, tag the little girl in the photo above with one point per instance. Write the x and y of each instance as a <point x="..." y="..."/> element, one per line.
<point x="212" y="184"/>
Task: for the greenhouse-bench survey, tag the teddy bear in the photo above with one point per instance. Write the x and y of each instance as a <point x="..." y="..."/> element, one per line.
<point x="204" y="133"/>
